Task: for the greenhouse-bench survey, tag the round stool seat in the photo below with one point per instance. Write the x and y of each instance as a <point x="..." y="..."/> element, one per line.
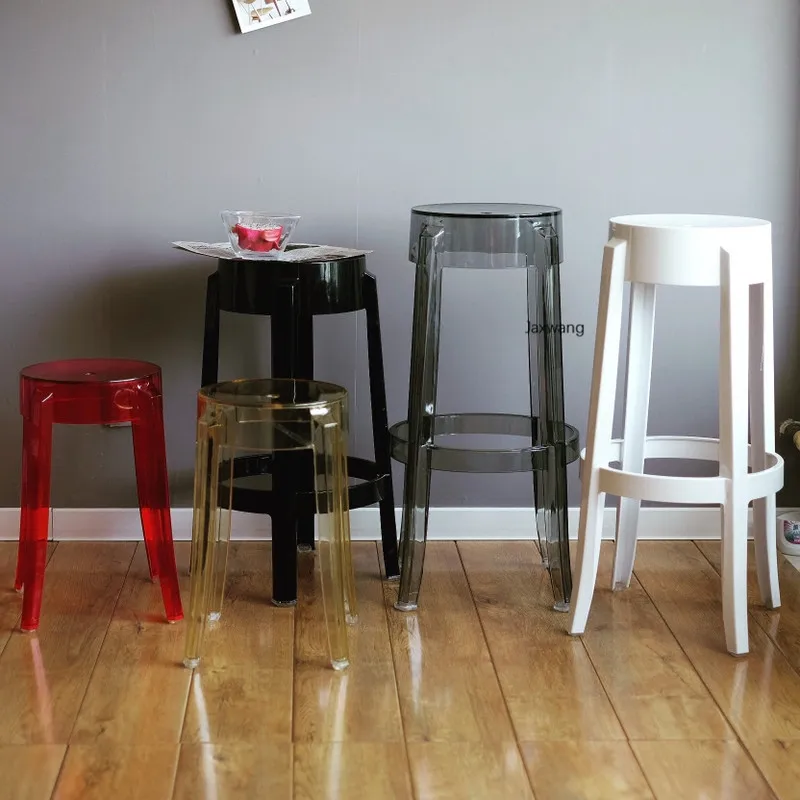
<point x="486" y="235"/>
<point x="684" y="249"/>
<point x="91" y="391"/>
<point x="90" y="370"/>
<point x="273" y="394"/>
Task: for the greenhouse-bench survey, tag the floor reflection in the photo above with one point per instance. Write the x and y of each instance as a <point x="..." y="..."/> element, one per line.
<point x="210" y="781"/>
<point x="43" y="699"/>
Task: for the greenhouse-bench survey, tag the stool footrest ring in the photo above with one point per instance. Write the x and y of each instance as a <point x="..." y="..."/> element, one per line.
<point x="461" y="459"/>
<point x="258" y="499"/>
<point x="675" y="489"/>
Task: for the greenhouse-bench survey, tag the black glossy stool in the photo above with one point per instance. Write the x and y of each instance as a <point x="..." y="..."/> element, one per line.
<point x="281" y="484"/>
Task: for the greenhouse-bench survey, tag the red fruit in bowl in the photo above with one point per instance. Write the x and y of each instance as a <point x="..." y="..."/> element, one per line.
<point x="272" y="235"/>
<point x="261" y="247"/>
<point x="259" y="240"/>
<point x="245" y="235"/>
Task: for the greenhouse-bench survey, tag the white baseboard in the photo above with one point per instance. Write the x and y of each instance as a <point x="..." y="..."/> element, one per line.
<point x="122" y="524"/>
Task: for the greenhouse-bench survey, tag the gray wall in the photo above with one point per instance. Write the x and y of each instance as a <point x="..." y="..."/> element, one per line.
<point x="124" y="126"/>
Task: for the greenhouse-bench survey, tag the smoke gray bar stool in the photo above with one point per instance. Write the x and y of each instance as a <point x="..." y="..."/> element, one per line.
<point x="487" y="236"/>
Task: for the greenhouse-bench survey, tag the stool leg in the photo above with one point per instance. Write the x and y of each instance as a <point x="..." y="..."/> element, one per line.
<point x="641" y="323"/>
<point x="762" y="434"/>
<point x="205" y="524"/>
<point x="302" y="462"/>
<point x="545" y="351"/>
<point x="217" y="590"/>
<point x="284" y="530"/>
<point x="338" y="594"/>
<point x="211" y="332"/>
<point x="37" y="448"/>
<point x="292" y="344"/>
<point x="210" y="369"/>
<point x="733" y="404"/>
<point x="598" y="430"/>
<point x="380" y="427"/>
<point x="351" y="604"/>
<point x="150" y="456"/>
<point x="421" y="416"/>
<point x="145" y="490"/>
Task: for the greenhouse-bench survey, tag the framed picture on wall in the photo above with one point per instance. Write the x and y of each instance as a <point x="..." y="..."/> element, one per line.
<point x="255" y="14"/>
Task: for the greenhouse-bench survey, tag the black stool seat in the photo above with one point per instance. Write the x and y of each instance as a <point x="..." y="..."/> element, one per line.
<point x="281" y="484"/>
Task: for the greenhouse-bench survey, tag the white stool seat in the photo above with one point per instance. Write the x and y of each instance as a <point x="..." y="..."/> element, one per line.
<point x="734" y="253"/>
<point x="683" y="249"/>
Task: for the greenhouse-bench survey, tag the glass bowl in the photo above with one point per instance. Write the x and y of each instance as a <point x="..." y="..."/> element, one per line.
<point x="258" y="235"/>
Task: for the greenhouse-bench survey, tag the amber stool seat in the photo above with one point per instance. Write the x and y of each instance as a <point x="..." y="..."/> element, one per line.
<point x="270" y="416"/>
<point x="93" y="391"/>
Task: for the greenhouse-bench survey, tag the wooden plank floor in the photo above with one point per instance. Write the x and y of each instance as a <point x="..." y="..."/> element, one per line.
<point x="480" y="694"/>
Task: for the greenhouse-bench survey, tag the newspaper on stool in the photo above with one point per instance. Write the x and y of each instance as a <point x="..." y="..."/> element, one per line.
<point x="296" y="252"/>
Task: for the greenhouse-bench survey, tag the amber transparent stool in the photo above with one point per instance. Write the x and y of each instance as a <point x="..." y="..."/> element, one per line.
<point x="244" y="416"/>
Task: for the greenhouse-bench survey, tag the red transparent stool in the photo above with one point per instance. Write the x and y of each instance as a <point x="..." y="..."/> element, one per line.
<point x="93" y="391"/>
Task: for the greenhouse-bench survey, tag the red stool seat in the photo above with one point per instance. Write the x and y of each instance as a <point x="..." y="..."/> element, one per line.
<point x="93" y="391"/>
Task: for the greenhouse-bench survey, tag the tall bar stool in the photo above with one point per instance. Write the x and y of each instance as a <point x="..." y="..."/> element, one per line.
<point x="487" y="236"/>
<point x="270" y="415"/>
<point x="93" y="391"/>
<point x="292" y="294"/>
<point x="735" y="254"/>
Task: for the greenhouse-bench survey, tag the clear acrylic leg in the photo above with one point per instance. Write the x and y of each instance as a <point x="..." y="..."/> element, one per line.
<point x="333" y="527"/>
<point x="545" y="361"/>
<point x="222" y="545"/>
<point x="205" y="524"/>
<point x="421" y="416"/>
<point x="348" y="575"/>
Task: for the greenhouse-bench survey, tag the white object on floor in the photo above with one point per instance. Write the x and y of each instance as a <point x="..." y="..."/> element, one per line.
<point x="735" y="254"/>
<point x="788" y="532"/>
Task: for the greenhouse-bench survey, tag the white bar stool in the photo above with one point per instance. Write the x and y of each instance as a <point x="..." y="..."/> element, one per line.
<point x="735" y="254"/>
